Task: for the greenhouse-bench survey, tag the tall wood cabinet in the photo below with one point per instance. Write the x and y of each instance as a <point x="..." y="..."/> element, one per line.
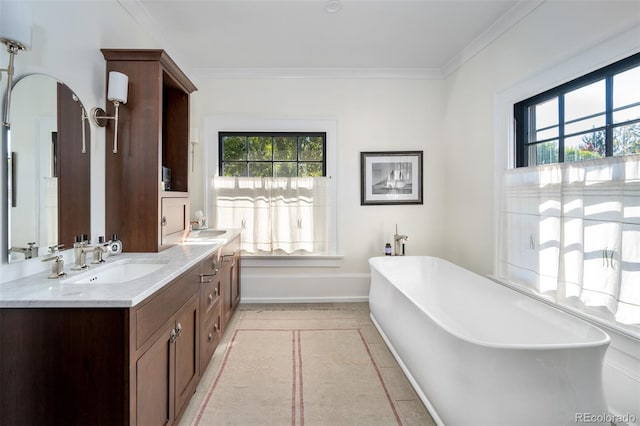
<point x="153" y="139"/>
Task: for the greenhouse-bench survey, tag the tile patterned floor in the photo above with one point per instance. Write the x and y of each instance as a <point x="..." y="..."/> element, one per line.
<point x="353" y="315"/>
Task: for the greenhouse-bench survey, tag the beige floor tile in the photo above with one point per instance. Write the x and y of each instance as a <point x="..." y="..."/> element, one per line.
<point x="414" y="413"/>
<point x="381" y="355"/>
<point x="371" y="334"/>
<point x="397" y="384"/>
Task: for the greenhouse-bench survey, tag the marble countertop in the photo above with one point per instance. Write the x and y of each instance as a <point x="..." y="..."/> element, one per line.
<point x="38" y="291"/>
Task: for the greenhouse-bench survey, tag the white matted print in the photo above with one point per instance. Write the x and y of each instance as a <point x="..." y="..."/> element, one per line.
<point x="391" y="177"/>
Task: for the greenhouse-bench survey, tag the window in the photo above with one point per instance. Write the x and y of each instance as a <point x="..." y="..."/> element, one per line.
<point x="261" y="154"/>
<point x="591" y="117"/>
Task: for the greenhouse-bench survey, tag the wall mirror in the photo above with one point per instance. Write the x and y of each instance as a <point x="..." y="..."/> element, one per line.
<point x="48" y="154"/>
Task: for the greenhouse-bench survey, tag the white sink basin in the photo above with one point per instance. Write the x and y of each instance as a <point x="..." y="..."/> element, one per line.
<point x="120" y="271"/>
<point x="205" y="236"/>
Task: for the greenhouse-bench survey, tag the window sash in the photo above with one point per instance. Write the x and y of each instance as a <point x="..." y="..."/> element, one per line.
<point x="527" y="142"/>
<point x="246" y="163"/>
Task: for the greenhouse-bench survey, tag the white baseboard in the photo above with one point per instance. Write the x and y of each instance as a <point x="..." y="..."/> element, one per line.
<point x="304" y="288"/>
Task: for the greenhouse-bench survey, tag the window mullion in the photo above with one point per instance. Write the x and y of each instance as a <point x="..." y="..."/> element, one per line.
<point x="609" y="116"/>
<point x="561" y="128"/>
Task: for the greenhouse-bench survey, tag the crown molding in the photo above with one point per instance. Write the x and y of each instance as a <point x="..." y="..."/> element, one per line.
<point x="504" y="23"/>
<point x="317" y="73"/>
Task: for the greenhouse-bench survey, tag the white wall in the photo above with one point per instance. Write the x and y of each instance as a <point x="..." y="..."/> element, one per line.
<point x="552" y="34"/>
<point x="371" y="115"/>
<point x="557" y="42"/>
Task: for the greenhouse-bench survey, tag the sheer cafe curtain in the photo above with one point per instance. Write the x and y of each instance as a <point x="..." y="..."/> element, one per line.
<point x="572" y="232"/>
<point x="277" y="215"/>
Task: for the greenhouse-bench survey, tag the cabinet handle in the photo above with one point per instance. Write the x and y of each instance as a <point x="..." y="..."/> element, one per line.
<point x="215" y="327"/>
<point x="206" y="278"/>
<point x="210" y="337"/>
<point x="210" y="298"/>
<point x="164" y="221"/>
<point x="178" y="330"/>
<point x="225" y="256"/>
<point x="172" y="336"/>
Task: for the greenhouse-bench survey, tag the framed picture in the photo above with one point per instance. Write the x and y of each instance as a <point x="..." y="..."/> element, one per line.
<point x="391" y="177"/>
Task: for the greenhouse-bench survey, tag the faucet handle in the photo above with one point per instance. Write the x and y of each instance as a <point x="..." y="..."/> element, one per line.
<point x="55" y="248"/>
<point x="57" y="268"/>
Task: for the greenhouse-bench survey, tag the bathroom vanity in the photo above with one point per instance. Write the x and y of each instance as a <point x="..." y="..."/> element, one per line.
<point x="131" y="352"/>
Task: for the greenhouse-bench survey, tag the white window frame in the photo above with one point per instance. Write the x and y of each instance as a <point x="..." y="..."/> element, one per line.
<point x="240" y="123"/>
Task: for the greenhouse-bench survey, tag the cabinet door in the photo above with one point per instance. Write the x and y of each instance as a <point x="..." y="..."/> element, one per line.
<point x="186" y="346"/>
<point x="211" y="332"/>
<point x="235" y="281"/>
<point x="227" y="294"/>
<point x="174" y="219"/>
<point x="154" y="382"/>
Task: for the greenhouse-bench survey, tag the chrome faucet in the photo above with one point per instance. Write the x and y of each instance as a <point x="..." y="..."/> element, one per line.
<point x="80" y="249"/>
<point x="399" y="240"/>
<point x="29" y="252"/>
<point x="57" y="267"/>
<point x="99" y="250"/>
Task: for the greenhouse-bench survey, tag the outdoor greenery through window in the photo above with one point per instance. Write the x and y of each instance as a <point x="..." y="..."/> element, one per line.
<point x="591" y="117"/>
<point x="259" y="154"/>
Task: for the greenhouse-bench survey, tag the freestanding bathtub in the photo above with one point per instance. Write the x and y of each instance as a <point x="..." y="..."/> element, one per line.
<point x="479" y="353"/>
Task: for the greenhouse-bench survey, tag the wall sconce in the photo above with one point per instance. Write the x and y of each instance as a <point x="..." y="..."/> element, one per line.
<point x="116" y="93"/>
<point x="195" y="138"/>
<point x="15" y="33"/>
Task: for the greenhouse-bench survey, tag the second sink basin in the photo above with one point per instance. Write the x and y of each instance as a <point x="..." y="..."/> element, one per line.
<point x="120" y="271"/>
<point x="205" y="236"/>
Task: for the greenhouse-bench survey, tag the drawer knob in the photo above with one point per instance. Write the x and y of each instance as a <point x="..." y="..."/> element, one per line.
<point x="178" y="330"/>
<point x="172" y="336"/>
<point x="210" y="337"/>
<point x="164" y="221"/>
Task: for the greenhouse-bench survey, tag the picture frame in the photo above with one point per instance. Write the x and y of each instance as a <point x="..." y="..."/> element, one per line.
<point x="391" y="177"/>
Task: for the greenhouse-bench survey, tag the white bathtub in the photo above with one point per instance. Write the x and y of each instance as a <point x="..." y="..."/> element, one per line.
<point x="478" y="353"/>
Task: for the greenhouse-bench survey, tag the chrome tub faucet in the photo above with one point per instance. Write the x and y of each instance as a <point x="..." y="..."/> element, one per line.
<point x="399" y="240"/>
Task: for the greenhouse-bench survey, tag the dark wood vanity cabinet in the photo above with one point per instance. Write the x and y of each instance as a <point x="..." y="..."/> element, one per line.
<point x="220" y="296"/>
<point x="167" y="366"/>
<point x="148" y="214"/>
<point x="98" y="366"/>
<point x="231" y="279"/>
<point x="102" y="366"/>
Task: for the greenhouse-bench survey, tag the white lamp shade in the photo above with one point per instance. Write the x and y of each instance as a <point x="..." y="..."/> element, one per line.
<point x="15" y="23"/>
<point x="118" y="87"/>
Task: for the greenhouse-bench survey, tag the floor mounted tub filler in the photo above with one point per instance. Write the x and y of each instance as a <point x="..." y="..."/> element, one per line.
<point x="479" y="353"/>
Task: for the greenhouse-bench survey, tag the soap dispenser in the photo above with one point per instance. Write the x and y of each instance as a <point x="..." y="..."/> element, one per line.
<point x="115" y="245"/>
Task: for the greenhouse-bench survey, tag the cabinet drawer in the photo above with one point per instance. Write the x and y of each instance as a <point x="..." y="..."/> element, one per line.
<point x="210" y="295"/>
<point x="174" y="219"/>
<point x="153" y="314"/>
<point x="210" y="337"/>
